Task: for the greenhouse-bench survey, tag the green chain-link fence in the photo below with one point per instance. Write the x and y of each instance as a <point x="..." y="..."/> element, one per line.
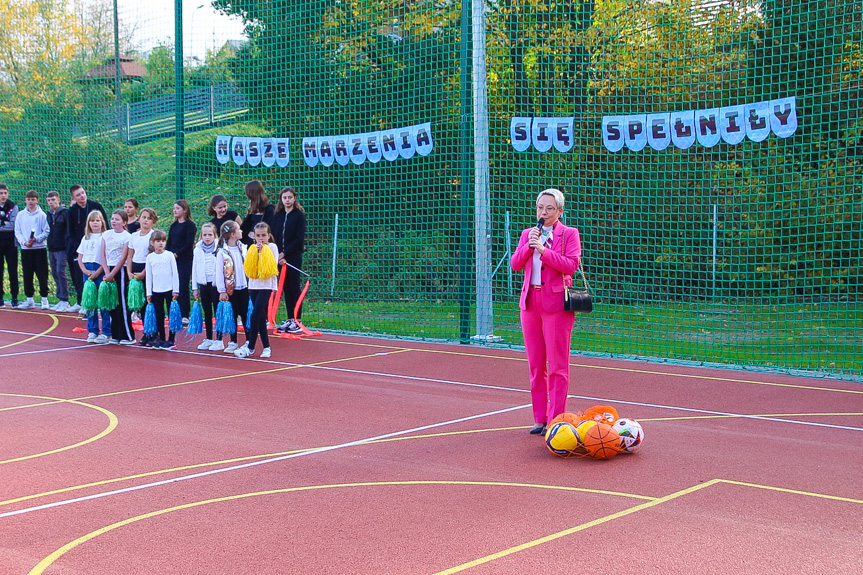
<point x="710" y="151"/>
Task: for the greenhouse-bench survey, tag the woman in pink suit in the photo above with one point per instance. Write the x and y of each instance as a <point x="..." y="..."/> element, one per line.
<point x="549" y="254"/>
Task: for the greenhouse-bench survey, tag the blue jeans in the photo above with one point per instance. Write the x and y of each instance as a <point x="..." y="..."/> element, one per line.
<point x="93" y="317"/>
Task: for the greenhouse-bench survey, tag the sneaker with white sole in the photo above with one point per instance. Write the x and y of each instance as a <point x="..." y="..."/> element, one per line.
<point x="266" y="352"/>
<point x="217" y="345"/>
<point x="91" y="337"/>
<point x="294" y="328"/>
<point x="284" y="325"/>
<point x="231" y="347"/>
<point x="62" y="307"/>
<point x="74" y="309"/>
<point x="244" y="351"/>
<point x="114" y="341"/>
<point x="44" y="303"/>
<point x="136" y="317"/>
<point x="101" y="338"/>
<point x="27" y="304"/>
<point x="127" y="342"/>
<point x="205" y="345"/>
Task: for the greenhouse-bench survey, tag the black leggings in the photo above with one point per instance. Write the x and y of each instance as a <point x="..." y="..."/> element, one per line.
<point x="121" y="316"/>
<point x="9" y="255"/>
<point x="291" y="289"/>
<point x="136" y="269"/>
<point x="209" y="300"/>
<point x="258" y="325"/>
<point x="162" y="303"/>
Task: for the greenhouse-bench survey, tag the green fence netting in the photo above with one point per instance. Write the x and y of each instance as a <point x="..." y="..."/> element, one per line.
<point x="710" y="152"/>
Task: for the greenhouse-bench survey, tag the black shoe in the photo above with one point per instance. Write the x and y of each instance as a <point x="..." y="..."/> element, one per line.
<point x="537" y="430"/>
<point x="14" y="303"/>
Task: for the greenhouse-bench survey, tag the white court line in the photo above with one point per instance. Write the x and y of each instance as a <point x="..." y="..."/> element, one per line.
<point x="51" y="350"/>
<point x="494" y="387"/>
<point x="260" y="462"/>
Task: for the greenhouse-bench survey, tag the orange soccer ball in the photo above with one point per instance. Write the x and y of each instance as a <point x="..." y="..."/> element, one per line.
<point x="601" y="441"/>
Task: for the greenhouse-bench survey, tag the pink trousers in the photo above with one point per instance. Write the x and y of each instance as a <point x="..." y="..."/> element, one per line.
<point x="547" y="337"/>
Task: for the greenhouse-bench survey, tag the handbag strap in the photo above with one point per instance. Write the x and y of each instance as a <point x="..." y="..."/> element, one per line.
<point x="579" y="269"/>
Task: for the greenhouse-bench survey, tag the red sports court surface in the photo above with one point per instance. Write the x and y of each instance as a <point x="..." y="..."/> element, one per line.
<point x="360" y="455"/>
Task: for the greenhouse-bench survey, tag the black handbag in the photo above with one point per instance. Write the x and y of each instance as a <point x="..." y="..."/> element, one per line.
<point x="576" y="299"/>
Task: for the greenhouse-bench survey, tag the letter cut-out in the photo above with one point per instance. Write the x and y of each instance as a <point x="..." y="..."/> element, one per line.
<point x="612" y="133"/>
<point x="682" y="129"/>
<point x="253" y="151"/>
<point x="389" y="145"/>
<point x="326" y="154"/>
<point x="520" y="133"/>
<point x="341" y="150"/>
<point x="756" y="118"/>
<point x="542" y="130"/>
<point x="357" y="149"/>
<point x="238" y="150"/>
<point x="223" y="149"/>
<point x="732" y="124"/>
<point x="310" y="152"/>
<point x="658" y="131"/>
<point x="425" y="143"/>
<point x="783" y="116"/>
<point x="707" y="127"/>
<point x="373" y="147"/>
<point x="562" y="134"/>
<point x="283" y="154"/>
<point x="268" y="152"/>
<point x="635" y="132"/>
<point x="407" y="142"/>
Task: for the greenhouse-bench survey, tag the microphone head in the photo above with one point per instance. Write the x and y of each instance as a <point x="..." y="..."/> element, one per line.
<point x="540" y="222"/>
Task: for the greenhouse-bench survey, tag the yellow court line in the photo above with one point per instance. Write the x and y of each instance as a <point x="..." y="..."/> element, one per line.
<point x="576" y="529"/>
<point x="792" y="491"/>
<point x="112" y="424"/>
<point x="234" y="460"/>
<point x="610" y="368"/>
<point x="54" y="323"/>
<point x="50" y="559"/>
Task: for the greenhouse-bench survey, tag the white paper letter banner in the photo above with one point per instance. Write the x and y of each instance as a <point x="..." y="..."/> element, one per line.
<point x="369" y="146"/>
<point x="223" y="149"/>
<point x="708" y="127"/>
<point x="252" y="151"/>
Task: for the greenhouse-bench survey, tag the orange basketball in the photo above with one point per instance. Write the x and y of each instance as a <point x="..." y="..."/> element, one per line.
<point x="601" y="441"/>
<point x="567" y="417"/>
<point x="603" y="413"/>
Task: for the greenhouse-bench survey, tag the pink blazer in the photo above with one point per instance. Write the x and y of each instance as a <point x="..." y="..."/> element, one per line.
<point x="555" y="265"/>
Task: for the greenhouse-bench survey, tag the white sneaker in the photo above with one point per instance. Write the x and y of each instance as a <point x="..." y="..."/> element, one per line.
<point x="243" y="352"/>
<point x="127" y="342"/>
<point x="205" y="345"/>
<point x="266" y="352"/>
<point x="114" y="341"/>
<point x="101" y="338"/>
<point x="231" y="347"/>
<point x="185" y="321"/>
<point x="45" y="303"/>
<point x="27" y="304"/>
<point x="74" y="309"/>
<point x="217" y="345"/>
<point x="62" y="307"/>
<point x="91" y="337"/>
<point x="135" y="317"/>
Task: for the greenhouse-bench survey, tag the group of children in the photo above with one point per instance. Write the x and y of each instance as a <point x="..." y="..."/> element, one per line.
<point x="219" y="267"/>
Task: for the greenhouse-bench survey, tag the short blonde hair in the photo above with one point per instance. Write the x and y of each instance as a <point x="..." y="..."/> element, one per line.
<point x="554" y="193"/>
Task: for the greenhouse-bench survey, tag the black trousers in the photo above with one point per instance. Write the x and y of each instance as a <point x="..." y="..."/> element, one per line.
<point x="184" y="270"/>
<point x="77" y="276"/>
<point x="209" y="300"/>
<point x="121" y="316"/>
<point x="258" y="324"/>
<point x="291" y="290"/>
<point x="9" y="256"/>
<point x="136" y="269"/>
<point x="35" y="261"/>
<point x="162" y="303"/>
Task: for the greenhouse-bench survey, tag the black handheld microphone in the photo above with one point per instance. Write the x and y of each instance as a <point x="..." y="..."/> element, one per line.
<point x="539" y="223"/>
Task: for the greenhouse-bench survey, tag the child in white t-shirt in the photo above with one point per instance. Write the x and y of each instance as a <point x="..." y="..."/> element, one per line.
<point x="115" y="250"/>
<point x="163" y="285"/>
<point x="90" y="262"/>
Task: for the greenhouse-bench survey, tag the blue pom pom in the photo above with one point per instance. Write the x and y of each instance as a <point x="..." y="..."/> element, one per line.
<point x="226" y="323"/>
<point x="175" y="317"/>
<point x="150" y="327"/>
<point x="196" y="320"/>
<point x="249" y="313"/>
